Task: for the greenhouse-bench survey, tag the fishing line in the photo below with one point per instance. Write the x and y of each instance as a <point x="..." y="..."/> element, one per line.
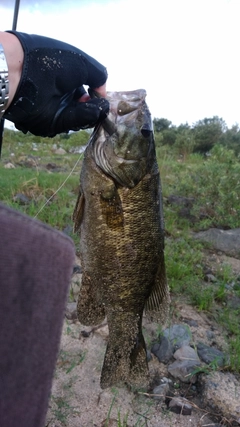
<point x="61" y="186"/>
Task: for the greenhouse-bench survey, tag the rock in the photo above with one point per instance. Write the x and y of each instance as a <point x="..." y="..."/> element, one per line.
<point x="183" y="368"/>
<point x="210" y="278"/>
<point x="227" y="241"/>
<point x="71" y="311"/>
<point x="9" y="165"/>
<point x="149" y="355"/>
<point x="221" y="393"/>
<point x="166" y="380"/>
<point x="60" y="151"/>
<point x="75" y="288"/>
<point x="77" y="269"/>
<point x="180" y="405"/>
<point x="186" y="353"/>
<point x="172" y="338"/>
<point x="187" y="202"/>
<point x="21" y="199"/>
<point x="75" y="283"/>
<point x="210" y="335"/>
<point x="163" y="350"/>
<point x="102" y="330"/>
<point x="210" y="354"/>
<point x="28" y="161"/>
<point x="77" y="150"/>
<point x="160" y="392"/>
<point x="233" y="302"/>
<point x="51" y="166"/>
<point x="178" y="335"/>
<point x="191" y="322"/>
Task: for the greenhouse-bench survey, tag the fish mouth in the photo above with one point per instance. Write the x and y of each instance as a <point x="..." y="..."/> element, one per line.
<point x="121" y="144"/>
<point x="109" y="126"/>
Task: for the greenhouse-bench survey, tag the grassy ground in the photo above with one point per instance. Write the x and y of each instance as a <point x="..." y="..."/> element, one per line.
<point x="213" y="183"/>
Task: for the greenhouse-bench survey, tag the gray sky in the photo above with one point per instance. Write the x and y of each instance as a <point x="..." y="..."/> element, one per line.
<point x="183" y="52"/>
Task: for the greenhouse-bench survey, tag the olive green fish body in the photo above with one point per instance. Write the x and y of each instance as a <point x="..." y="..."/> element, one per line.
<point x="122" y="243"/>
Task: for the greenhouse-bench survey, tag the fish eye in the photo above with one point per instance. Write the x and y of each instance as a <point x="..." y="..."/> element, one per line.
<point x="125" y="108"/>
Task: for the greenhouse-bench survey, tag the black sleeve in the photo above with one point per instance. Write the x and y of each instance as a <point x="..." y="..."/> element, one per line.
<point x="52" y="79"/>
<point x="58" y="55"/>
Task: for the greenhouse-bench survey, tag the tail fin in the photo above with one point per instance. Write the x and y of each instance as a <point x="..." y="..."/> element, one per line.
<point x="125" y="360"/>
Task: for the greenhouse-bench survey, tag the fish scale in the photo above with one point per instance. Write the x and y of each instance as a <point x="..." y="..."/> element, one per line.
<point x="119" y="216"/>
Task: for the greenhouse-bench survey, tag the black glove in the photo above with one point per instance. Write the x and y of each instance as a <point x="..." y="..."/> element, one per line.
<point x="46" y="102"/>
<point x="76" y="115"/>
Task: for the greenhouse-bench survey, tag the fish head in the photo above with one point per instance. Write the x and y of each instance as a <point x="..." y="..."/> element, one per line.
<point x="124" y="143"/>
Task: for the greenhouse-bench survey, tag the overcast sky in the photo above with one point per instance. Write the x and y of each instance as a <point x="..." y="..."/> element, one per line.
<point x="185" y="53"/>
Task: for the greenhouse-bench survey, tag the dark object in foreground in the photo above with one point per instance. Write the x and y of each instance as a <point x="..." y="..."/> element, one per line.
<point x="36" y="263"/>
<point x="119" y="215"/>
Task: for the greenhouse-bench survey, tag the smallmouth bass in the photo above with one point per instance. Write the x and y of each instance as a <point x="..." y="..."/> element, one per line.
<point x="120" y="219"/>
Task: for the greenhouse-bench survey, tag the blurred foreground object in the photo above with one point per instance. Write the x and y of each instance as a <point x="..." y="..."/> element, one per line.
<point x="36" y="263"/>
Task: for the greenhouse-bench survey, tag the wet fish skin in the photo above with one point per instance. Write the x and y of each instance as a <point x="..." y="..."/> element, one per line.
<point x="119" y="216"/>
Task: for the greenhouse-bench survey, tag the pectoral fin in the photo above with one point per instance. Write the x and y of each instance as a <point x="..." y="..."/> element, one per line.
<point x="157" y="305"/>
<point x="78" y="212"/>
<point x="111" y="206"/>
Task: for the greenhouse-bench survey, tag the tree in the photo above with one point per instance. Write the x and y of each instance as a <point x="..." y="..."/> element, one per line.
<point x="161" y="124"/>
<point x="208" y="132"/>
<point x="185" y="142"/>
<point x="231" y="139"/>
<point x="169" y="136"/>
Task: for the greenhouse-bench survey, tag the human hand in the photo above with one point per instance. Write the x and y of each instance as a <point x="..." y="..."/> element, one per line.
<point x="101" y="90"/>
<point x="81" y="115"/>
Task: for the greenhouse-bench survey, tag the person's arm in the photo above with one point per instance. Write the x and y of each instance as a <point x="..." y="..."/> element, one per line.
<point x="53" y="77"/>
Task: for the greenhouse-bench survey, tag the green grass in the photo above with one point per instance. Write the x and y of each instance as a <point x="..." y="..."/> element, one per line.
<point x="214" y="184"/>
<point x="48" y="199"/>
<point x="62" y="409"/>
<point x="68" y="361"/>
<point x="122" y="420"/>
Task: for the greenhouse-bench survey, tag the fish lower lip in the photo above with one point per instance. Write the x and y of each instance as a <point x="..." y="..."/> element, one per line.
<point x="109" y="126"/>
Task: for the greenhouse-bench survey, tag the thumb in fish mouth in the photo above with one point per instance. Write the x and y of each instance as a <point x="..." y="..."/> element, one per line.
<point x="103" y="106"/>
